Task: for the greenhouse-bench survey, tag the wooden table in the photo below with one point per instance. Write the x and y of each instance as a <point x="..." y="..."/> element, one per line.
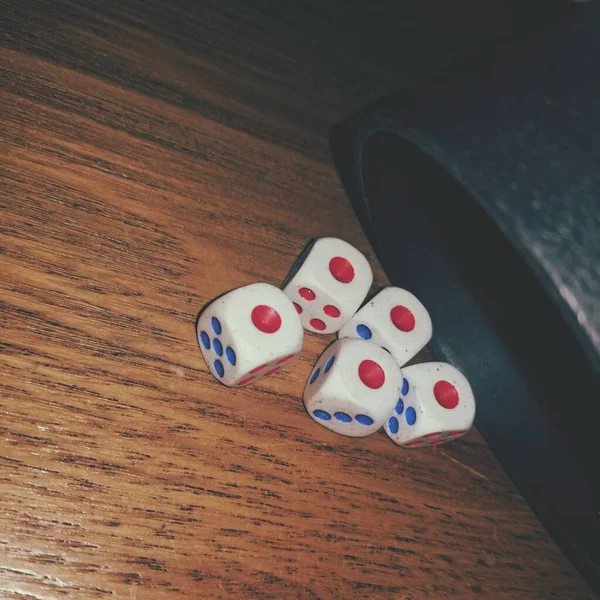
<point x="152" y="157"/>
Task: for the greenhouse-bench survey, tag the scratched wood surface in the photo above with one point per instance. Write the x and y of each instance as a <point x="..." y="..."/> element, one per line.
<point x="152" y="157"/>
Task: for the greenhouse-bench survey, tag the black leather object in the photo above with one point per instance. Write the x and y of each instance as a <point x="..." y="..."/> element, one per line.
<point x="480" y="193"/>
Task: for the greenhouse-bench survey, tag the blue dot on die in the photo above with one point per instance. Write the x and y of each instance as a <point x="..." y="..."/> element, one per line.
<point x="329" y="364"/>
<point x="364" y="332"/>
<point x="219" y="368"/>
<point x="314" y="376"/>
<point x="230" y="355"/>
<point x="343" y="417"/>
<point x="404" y="390"/>
<point x="216" y="325"/>
<point x="399" y="406"/>
<point x="322" y="414"/>
<point x="218" y="347"/>
<point x="364" y="419"/>
<point x="393" y="425"/>
<point x="205" y="339"/>
<point x="410" y="415"/>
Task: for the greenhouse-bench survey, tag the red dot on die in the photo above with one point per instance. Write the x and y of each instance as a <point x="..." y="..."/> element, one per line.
<point x="331" y="311"/>
<point x="342" y="269"/>
<point x="402" y="318"/>
<point x="245" y="381"/>
<point x="271" y="372"/>
<point x="254" y="371"/>
<point x="445" y="394"/>
<point x="285" y="359"/>
<point x="317" y="324"/>
<point x="413" y="444"/>
<point x="438" y="442"/>
<point x="307" y="294"/>
<point x="371" y="374"/>
<point x="298" y="308"/>
<point x="456" y="434"/>
<point x="431" y="435"/>
<point x="265" y="318"/>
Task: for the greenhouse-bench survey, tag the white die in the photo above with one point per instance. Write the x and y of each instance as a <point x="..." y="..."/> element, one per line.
<point x="436" y="405"/>
<point x="328" y="283"/>
<point x="396" y="320"/>
<point x="353" y="388"/>
<point x="249" y="333"/>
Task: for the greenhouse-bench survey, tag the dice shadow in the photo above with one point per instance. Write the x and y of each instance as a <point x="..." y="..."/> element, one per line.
<point x="299" y="261"/>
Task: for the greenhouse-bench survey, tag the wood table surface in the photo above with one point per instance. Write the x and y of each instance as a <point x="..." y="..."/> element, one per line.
<point x="154" y="155"/>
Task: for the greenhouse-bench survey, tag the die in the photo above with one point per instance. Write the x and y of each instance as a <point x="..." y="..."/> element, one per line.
<point x="396" y="320"/>
<point x="436" y="405"/>
<point x="328" y="283"/>
<point x="353" y="387"/>
<point x="248" y="333"/>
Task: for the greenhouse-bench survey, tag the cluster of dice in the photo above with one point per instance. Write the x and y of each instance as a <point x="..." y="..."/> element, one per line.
<point x="358" y="384"/>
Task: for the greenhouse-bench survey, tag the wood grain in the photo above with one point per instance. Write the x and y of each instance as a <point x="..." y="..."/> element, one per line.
<point x="154" y="155"/>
